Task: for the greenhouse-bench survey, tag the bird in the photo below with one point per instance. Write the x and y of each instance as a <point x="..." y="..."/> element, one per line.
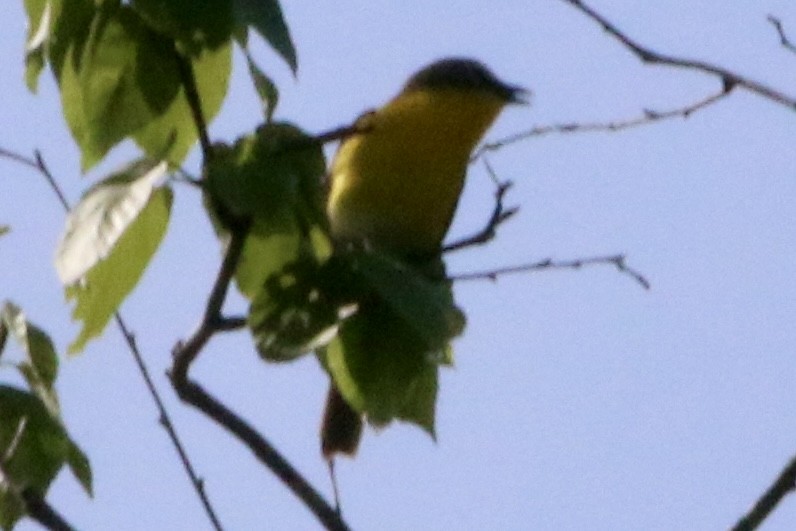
<point x="394" y="185"/>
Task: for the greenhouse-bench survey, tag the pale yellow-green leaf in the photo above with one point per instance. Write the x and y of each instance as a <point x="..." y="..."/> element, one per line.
<point x="102" y="216"/>
<point x="107" y="284"/>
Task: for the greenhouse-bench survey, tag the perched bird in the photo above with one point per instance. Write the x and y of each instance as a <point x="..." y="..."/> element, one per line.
<point x="395" y="185"/>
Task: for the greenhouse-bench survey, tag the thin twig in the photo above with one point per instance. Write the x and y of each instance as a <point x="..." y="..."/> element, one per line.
<point x="339" y="133"/>
<point x="193" y="393"/>
<point x="228" y="324"/>
<point x="167" y="424"/>
<point x="783" y="38"/>
<point x="617" y="261"/>
<point x="500" y="214"/>
<point x="39" y="165"/>
<point x="782" y="486"/>
<point x="728" y="78"/>
<point x="188" y="81"/>
<point x="647" y="117"/>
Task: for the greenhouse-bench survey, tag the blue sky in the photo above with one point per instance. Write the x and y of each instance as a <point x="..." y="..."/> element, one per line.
<point x="578" y="400"/>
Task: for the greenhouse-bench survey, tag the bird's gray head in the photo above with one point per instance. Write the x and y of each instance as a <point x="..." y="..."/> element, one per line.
<point x="465" y="73"/>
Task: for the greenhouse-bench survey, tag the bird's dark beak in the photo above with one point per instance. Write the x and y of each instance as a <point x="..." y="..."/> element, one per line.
<point x="519" y="96"/>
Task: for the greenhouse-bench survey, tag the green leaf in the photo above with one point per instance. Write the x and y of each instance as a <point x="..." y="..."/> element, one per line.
<point x="174" y="131"/>
<point x="386" y="357"/>
<point x="104" y="213"/>
<point x="289" y="315"/>
<point x="81" y="468"/>
<point x="127" y="75"/>
<point x="420" y="404"/>
<point x="266" y="252"/>
<point x="194" y="24"/>
<point x="40" y="366"/>
<point x="33" y="446"/>
<point x="274" y="175"/>
<point x="266" y="89"/>
<point x="108" y="283"/>
<point x="4" y="229"/>
<point x="266" y="17"/>
<point x="273" y="178"/>
<point x="71" y="25"/>
<point x="425" y="305"/>
<point x="382" y="370"/>
<point x="120" y="78"/>
<point x="42" y="15"/>
<point x="64" y="50"/>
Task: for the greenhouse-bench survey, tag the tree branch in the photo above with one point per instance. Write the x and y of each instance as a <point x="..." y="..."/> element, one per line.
<point x="728" y="78"/>
<point x="500" y="214"/>
<point x="782" y="486"/>
<point x="165" y="421"/>
<point x="783" y="38"/>
<point x="617" y="261"/>
<point x="193" y="393"/>
<point x="648" y="116"/>
<point x="41" y="511"/>
<point x="188" y="81"/>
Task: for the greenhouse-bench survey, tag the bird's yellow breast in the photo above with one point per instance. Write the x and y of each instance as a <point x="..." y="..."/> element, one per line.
<point x="397" y="183"/>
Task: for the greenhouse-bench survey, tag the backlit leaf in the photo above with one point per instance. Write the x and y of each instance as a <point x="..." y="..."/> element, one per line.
<point x="101" y="217"/>
<point x="107" y="284"/>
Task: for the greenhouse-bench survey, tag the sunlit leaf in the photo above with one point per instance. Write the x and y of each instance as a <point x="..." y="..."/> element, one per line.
<point x="120" y="78"/>
<point x="175" y="132"/>
<point x="104" y="213"/>
<point x="106" y="285"/>
<point x="289" y="315"/>
<point x="127" y="75"/>
<point x="64" y="51"/>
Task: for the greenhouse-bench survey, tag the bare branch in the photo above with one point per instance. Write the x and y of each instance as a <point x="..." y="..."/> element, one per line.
<point x="782" y="486"/>
<point x="228" y="324"/>
<point x="165" y="421"/>
<point x="339" y="133"/>
<point x="617" y="261"/>
<point x="783" y="37"/>
<point x="729" y="79"/>
<point x="41" y="511"/>
<point x="647" y="117"/>
<point x="500" y="214"/>
<point x="194" y="394"/>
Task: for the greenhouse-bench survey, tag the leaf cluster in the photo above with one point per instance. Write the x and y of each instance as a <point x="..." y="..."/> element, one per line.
<point x="156" y="72"/>
<point x="34" y="444"/>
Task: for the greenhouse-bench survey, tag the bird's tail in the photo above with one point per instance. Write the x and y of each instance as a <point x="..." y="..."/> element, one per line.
<point x="341" y="428"/>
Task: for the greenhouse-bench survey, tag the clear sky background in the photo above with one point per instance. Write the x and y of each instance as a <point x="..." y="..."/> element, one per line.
<point x="578" y="400"/>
